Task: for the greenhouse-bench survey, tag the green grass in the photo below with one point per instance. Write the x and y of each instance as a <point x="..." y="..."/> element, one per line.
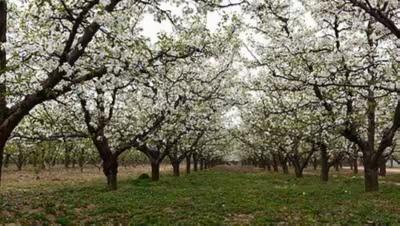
<point x="209" y="198"/>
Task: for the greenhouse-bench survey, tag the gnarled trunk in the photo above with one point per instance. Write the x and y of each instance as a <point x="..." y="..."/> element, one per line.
<point x="6" y="160"/>
<point x="195" y="162"/>
<point x="285" y="168"/>
<point x="371" y="178"/>
<point x="283" y="162"/>
<point x="188" y="164"/>
<point x="268" y="164"/>
<point x="355" y="165"/>
<point x="382" y="168"/>
<point x="4" y="135"/>
<point x="155" y="171"/>
<point x="201" y="164"/>
<point x="175" y="166"/>
<point x="315" y="164"/>
<point x="110" y="170"/>
<point x="336" y="165"/>
<point x="1" y="159"/>
<point x="324" y="163"/>
<point x="275" y="163"/>
<point x="298" y="172"/>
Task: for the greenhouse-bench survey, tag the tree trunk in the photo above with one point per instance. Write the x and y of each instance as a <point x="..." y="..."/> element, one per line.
<point x="155" y="171"/>
<point x="34" y="159"/>
<point x="285" y="168"/>
<point x="315" y="164"/>
<point x="110" y="169"/>
<point x="42" y="159"/>
<point x="195" y="162"/>
<point x="175" y="166"/>
<point x="324" y="163"/>
<point x="112" y="181"/>
<point x="268" y="164"/>
<point x="355" y="165"/>
<point x="73" y="162"/>
<point x="188" y="164"/>
<point x="19" y="164"/>
<point x="263" y="165"/>
<point x="2" y="144"/>
<point x="283" y="163"/>
<point x="370" y="178"/>
<point x="298" y="172"/>
<point x="201" y="164"/>
<point x="67" y="158"/>
<point x="382" y="168"/>
<point x="336" y="167"/>
<point x="7" y="160"/>
<point x="4" y="135"/>
<point x="275" y="163"/>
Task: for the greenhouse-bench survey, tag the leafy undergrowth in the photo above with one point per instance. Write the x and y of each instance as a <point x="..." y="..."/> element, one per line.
<point x="209" y="197"/>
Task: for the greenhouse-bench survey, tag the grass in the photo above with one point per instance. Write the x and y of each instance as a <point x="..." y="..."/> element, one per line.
<point x="211" y="197"/>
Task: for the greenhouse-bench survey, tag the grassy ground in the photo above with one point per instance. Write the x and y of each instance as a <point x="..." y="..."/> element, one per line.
<point x="218" y="196"/>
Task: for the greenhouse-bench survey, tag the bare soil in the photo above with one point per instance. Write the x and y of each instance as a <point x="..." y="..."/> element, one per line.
<point x="28" y="177"/>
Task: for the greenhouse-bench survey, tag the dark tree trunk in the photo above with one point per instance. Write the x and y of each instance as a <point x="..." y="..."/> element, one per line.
<point x="336" y="167"/>
<point x="201" y="164"/>
<point x="355" y="165"/>
<point x="315" y="164"/>
<point x="20" y="162"/>
<point x="285" y="169"/>
<point x="110" y="170"/>
<point x="73" y="162"/>
<point x="175" y="166"/>
<point x="188" y="164"/>
<point x="275" y="163"/>
<point x="298" y="166"/>
<point x="268" y="164"/>
<point x="283" y="163"/>
<point x="370" y="178"/>
<point x="263" y="165"/>
<point x="155" y="171"/>
<point x="7" y="160"/>
<point x="67" y="158"/>
<point x="195" y="162"/>
<point x="112" y="181"/>
<point x="324" y="163"/>
<point x="81" y="159"/>
<point x="42" y="159"/>
<point x="34" y="159"/>
<point x="53" y="161"/>
<point x="1" y="158"/>
<point x="382" y="168"/>
<point x="298" y="172"/>
<point x="4" y="135"/>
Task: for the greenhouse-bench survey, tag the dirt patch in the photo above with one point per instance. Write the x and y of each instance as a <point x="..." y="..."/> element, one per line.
<point x="28" y="178"/>
<point x="239" y="219"/>
<point x="238" y="168"/>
